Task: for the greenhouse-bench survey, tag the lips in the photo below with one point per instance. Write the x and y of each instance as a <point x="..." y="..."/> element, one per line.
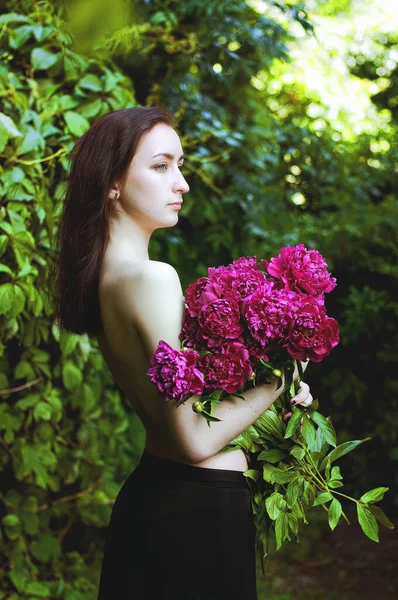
<point x="176" y="204"/>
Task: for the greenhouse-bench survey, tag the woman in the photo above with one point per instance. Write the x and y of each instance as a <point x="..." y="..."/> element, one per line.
<point x="181" y="526"/>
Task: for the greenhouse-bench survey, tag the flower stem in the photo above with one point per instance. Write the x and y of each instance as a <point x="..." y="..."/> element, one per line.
<point x="324" y="486"/>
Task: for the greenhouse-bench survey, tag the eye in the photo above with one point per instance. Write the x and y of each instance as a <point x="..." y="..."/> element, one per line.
<point x="159" y="167"/>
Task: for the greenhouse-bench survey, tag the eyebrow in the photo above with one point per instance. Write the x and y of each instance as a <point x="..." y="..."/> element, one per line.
<point x="171" y="156"/>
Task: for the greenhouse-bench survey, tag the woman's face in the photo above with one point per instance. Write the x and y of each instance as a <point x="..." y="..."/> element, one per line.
<point x="154" y="180"/>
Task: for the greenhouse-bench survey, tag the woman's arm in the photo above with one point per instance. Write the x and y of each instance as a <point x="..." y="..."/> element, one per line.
<point x="152" y="301"/>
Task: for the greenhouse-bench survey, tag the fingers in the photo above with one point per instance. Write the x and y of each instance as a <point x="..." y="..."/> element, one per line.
<point x="307" y="402"/>
<point x="304" y="365"/>
<point x="304" y="397"/>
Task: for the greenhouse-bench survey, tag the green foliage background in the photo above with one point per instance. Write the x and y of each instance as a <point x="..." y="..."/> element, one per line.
<point x="68" y="438"/>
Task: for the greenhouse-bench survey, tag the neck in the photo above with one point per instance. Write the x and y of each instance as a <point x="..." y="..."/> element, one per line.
<point x="124" y="232"/>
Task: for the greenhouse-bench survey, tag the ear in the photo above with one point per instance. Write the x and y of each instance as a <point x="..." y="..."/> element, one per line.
<point x="114" y="193"/>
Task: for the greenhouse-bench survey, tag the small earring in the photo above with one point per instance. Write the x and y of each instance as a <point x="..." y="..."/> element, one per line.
<point x="116" y="196"/>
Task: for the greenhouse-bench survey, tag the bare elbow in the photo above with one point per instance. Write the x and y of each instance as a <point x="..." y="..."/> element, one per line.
<point x="197" y="454"/>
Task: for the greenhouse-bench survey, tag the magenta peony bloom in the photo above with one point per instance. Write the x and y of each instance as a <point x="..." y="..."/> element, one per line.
<point x="270" y="314"/>
<point x="257" y="351"/>
<point x="301" y="270"/>
<point x="220" y="320"/>
<point x="314" y="334"/>
<point x="238" y="284"/>
<point x="174" y="372"/>
<point x="226" y="369"/>
<point x="201" y="292"/>
<point x="246" y="263"/>
<point x="192" y="333"/>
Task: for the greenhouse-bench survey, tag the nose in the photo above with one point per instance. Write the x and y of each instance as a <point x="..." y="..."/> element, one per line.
<point x="180" y="185"/>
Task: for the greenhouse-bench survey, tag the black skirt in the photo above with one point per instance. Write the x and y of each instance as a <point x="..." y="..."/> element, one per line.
<point x="180" y="532"/>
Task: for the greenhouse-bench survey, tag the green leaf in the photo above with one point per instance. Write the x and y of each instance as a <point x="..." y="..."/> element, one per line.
<point x="281" y="476"/>
<point x="327" y="470"/>
<point x="36" y="458"/>
<point x="14" y="18"/>
<point x="252" y="474"/>
<point x="374" y="495"/>
<point x="326" y="427"/>
<point x="77" y="124"/>
<point x="91" y="82"/>
<point x="24" y="369"/>
<point x="42" y="33"/>
<point x="11" y="520"/>
<point x="45" y="547"/>
<point x="368" y="522"/>
<point x="321" y="444"/>
<point x="42" y="412"/>
<point x="7" y="125"/>
<point x="309" y="493"/>
<point x="381" y="516"/>
<point x="7" y="295"/>
<point x="293" y="491"/>
<point x="28" y="401"/>
<point x="19" y="579"/>
<point x="7" y="130"/>
<point x="274" y="504"/>
<point x="274" y="475"/>
<point x="281" y="529"/>
<point x="341" y="450"/>
<point x="68" y="343"/>
<point x="18" y="303"/>
<point x="293" y="522"/>
<point x="19" y="35"/>
<point x="3" y="138"/>
<point x="43" y="59"/>
<point x="309" y="433"/>
<point x="334" y="513"/>
<point x="31" y="141"/>
<point x="273" y="456"/>
<point x="322" y="498"/>
<point x="335" y="483"/>
<point x="335" y="473"/>
<point x="5" y="269"/>
<point x="297" y="452"/>
<point x="293" y="422"/>
<point x="37" y="589"/>
<point x="71" y="376"/>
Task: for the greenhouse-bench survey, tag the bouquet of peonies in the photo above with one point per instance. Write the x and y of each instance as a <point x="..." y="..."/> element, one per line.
<point x="242" y="326"/>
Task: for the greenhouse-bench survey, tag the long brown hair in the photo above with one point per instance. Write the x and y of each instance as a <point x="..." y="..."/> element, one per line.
<point x="99" y="158"/>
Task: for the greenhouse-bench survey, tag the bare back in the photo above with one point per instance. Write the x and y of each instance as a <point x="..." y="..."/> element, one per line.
<point x="128" y="361"/>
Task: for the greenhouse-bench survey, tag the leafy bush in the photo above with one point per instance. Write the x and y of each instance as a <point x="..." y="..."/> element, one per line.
<point x="262" y="175"/>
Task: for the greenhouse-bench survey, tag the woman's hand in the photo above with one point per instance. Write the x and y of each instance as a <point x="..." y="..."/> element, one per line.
<point x="296" y="374"/>
<point x="304" y="396"/>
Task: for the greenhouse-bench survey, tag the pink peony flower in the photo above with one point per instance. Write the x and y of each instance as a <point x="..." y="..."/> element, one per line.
<point x="226" y="369"/>
<point x="220" y="320"/>
<point x="256" y="351"/>
<point x="243" y="263"/>
<point x="201" y="292"/>
<point x="301" y="270"/>
<point x="174" y="372"/>
<point x="238" y="284"/>
<point x="314" y="334"/>
<point x="192" y="333"/>
<point x="270" y="314"/>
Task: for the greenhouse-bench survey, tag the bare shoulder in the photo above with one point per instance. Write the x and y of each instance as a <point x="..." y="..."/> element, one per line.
<point x="155" y="268"/>
<point x="148" y="295"/>
<point x="139" y="272"/>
